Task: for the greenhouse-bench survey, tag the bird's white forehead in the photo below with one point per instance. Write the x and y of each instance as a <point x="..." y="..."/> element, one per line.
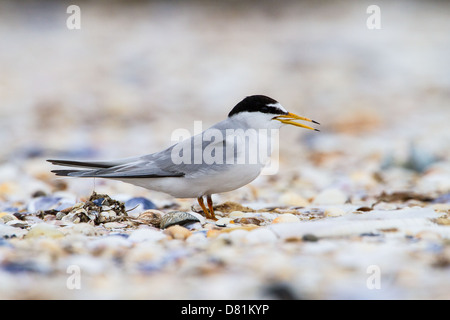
<point x="277" y="105"/>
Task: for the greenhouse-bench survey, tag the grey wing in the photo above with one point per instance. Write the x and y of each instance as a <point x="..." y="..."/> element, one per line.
<point x="179" y="160"/>
<point x="197" y="155"/>
<point x="141" y="167"/>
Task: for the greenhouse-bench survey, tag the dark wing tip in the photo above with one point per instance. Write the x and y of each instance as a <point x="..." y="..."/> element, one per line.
<point x="64" y="173"/>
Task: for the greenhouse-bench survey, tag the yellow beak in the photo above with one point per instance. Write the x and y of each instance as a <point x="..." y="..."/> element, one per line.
<point x="290" y="117"/>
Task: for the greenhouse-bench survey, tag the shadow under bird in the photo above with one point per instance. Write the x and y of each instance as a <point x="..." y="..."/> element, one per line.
<point x="214" y="161"/>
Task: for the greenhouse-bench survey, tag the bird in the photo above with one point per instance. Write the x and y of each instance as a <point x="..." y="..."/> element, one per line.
<point x="228" y="155"/>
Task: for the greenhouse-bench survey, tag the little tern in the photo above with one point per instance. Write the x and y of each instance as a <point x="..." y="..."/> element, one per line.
<point x="214" y="161"/>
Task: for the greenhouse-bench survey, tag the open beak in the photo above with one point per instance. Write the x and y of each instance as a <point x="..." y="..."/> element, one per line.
<point x="290" y="117"/>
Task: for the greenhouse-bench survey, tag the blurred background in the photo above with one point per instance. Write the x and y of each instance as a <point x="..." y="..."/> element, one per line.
<point x="138" y="70"/>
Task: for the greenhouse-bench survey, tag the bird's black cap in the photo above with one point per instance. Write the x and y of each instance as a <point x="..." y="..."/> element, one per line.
<point x="257" y="103"/>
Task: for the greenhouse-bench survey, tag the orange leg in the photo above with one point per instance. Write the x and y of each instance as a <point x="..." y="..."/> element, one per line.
<point x="210" y="206"/>
<point x="202" y="204"/>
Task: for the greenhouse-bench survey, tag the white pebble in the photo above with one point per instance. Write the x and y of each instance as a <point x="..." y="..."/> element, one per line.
<point x="9" y="232"/>
<point x="146" y="234"/>
<point x="81" y="228"/>
<point x="334" y="212"/>
<point x="237" y="236"/>
<point x="260" y="235"/>
<point x="178" y="232"/>
<point x="286" y="218"/>
<point x="441" y="207"/>
<point x="7" y="217"/>
<point x="223" y="221"/>
<point x="330" y="196"/>
<point x="236" y="214"/>
<point x="44" y="229"/>
<point x="114" y="225"/>
<point x="196" y="238"/>
<point x="293" y="199"/>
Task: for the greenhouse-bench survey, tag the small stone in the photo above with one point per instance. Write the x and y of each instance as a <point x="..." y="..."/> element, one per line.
<point x="260" y="236"/>
<point x="441" y="207"/>
<point x="146" y="234"/>
<point x="114" y="225"/>
<point x="150" y="217"/>
<point x="334" y="212"/>
<point x="196" y="238"/>
<point x="176" y="218"/>
<point x="385" y="206"/>
<point x="330" y="196"/>
<point x="6" y="217"/>
<point x="237" y="236"/>
<point x="286" y="218"/>
<point x="293" y="199"/>
<point x="78" y="215"/>
<point x="222" y="222"/>
<point x="45" y="230"/>
<point x="60" y="215"/>
<point x="428" y="235"/>
<point x="442" y="221"/>
<point x="106" y="216"/>
<point x="7" y="232"/>
<point x="17" y="224"/>
<point x="212" y="233"/>
<point x="249" y="220"/>
<point x="310" y="237"/>
<point x="83" y="228"/>
<point x="236" y="214"/>
<point x="177" y="232"/>
<point x="364" y="209"/>
<point x="193" y="225"/>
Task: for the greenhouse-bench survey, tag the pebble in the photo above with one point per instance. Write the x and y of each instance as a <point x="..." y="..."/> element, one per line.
<point x="44" y="230"/>
<point x="249" y="220"/>
<point x="238" y="236"/>
<point x="428" y="235"/>
<point x="114" y="225"/>
<point x="177" y="218"/>
<point x="441" y="207"/>
<point x="330" y="196"/>
<point x="334" y="212"/>
<point x="177" y="232"/>
<point x="309" y="237"/>
<point x="286" y="218"/>
<point x="223" y="222"/>
<point x="197" y="238"/>
<point x="106" y="216"/>
<point x="385" y="206"/>
<point x="193" y="225"/>
<point x="260" y="236"/>
<point x="293" y="199"/>
<point x="146" y="234"/>
<point x="85" y="229"/>
<point x="236" y="214"/>
<point x="6" y="217"/>
<point x="150" y="217"/>
<point x="17" y="224"/>
<point x="8" y="232"/>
